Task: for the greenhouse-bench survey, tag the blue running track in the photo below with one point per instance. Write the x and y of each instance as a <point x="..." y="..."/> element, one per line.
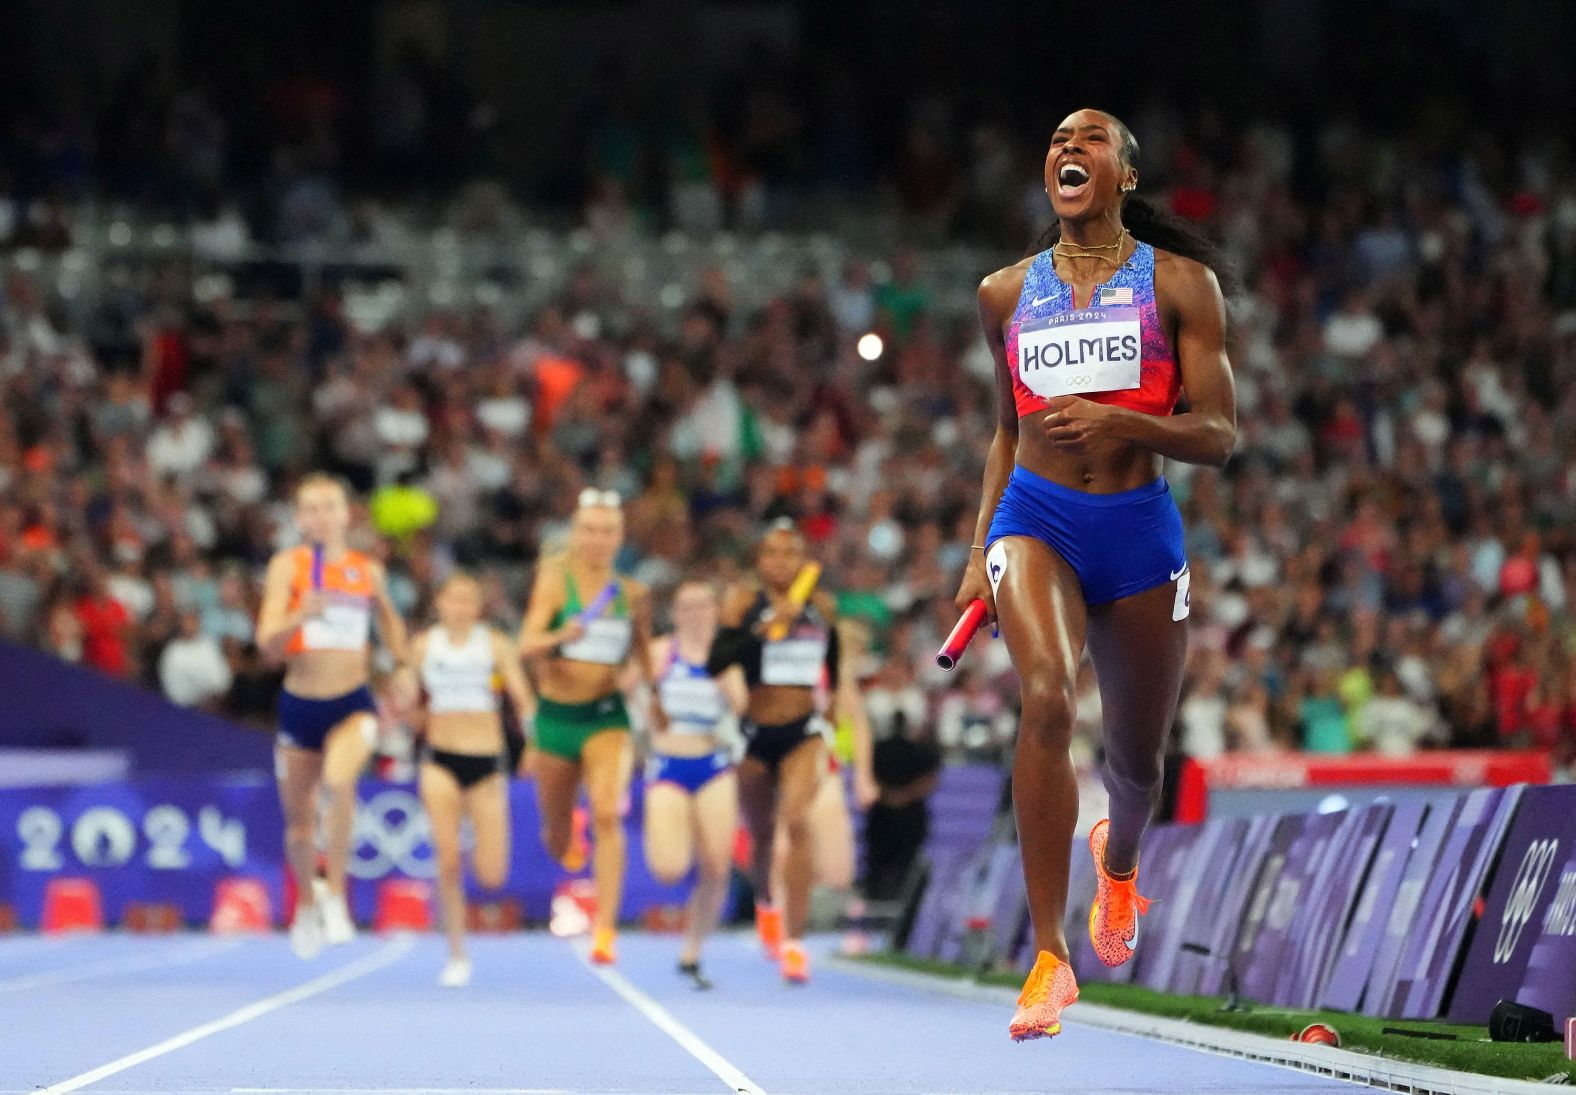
<point x="242" y="1016"/>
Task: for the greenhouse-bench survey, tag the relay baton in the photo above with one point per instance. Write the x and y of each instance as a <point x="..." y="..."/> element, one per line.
<point x="798" y="594"/>
<point x="596" y="607"/>
<point x="317" y="566"/>
<point x="972" y="620"/>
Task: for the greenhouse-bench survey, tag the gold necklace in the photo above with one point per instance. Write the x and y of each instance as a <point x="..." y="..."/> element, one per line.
<point x="1092" y="252"/>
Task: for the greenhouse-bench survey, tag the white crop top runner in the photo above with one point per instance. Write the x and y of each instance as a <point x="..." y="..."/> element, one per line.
<point x="691" y="698"/>
<point x="459" y="678"/>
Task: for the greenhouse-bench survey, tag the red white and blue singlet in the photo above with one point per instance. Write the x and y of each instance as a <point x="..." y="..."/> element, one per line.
<point x="1110" y="349"/>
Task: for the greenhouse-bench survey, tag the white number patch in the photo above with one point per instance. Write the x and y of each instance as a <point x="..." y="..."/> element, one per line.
<point x="1184" y="602"/>
<point x="996" y="564"/>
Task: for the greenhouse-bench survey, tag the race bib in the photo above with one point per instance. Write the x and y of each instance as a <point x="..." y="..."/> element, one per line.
<point x="344" y="625"/>
<point x="606" y="642"/>
<point x="793" y="662"/>
<point x="1095" y="350"/>
<point x="692" y="704"/>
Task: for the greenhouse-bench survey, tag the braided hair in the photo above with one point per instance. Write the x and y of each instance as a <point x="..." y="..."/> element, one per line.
<point x="1155" y="225"/>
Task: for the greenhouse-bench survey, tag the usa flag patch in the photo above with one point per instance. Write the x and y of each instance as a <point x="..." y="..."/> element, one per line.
<point x="1109" y="295"/>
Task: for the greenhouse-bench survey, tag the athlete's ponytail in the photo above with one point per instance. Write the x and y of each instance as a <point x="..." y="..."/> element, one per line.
<point x="1157" y="226"/>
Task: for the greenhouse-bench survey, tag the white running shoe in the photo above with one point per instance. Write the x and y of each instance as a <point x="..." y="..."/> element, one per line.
<point x="338" y="928"/>
<point x="306" y="931"/>
<point x="456" y="973"/>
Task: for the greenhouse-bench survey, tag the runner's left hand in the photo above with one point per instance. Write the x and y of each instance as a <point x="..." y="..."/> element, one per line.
<point x="1076" y="425"/>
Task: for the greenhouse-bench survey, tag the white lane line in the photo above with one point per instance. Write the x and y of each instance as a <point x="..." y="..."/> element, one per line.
<point x="108" y="967"/>
<point x="664" y="1021"/>
<point x="385" y="956"/>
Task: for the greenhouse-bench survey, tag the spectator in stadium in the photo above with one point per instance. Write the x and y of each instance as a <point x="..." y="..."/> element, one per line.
<point x="907" y="768"/>
<point x="1393" y="723"/>
<point x="193" y="670"/>
<point x="103" y="624"/>
<point x="974" y="718"/>
<point x="181" y="445"/>
<point x="1406" y="357"/>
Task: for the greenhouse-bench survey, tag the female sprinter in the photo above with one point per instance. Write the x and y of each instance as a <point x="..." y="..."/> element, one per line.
<point x="318" y="602"/>
<point x="786" y="753"/>
<point x="692" y="804"/>
<point x="1077" y="536"/>
<point x="582" y="625"/>
<point x="832" y="844"/>
<point x="462" y="772"/>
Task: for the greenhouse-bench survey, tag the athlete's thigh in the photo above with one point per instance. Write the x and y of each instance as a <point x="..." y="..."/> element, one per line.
<point x="606" y="759"/>
<point x="487" y="805"/>
<point x="1040" y="608"/>
<point x="347" y="748"/>
<point x="445" y="804"/>
<point x="757" y="796"/>
<point x="799" y="779"/>
<point x="298" y="772"/>
<point x="669" y="848"/>
<point x="832" y="840"/>
<point x="715" y="810"/>
<point x="1139" y="654"/>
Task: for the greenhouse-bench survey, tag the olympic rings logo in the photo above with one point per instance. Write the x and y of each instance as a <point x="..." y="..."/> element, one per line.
<point x="391" y="834"/>
<point x="1080" y="380"/>
<point x="1524" y="893"/>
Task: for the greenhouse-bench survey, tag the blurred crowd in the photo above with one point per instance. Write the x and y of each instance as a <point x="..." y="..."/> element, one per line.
<point x="1386" y="564"/>
<point x="293" y="155"/>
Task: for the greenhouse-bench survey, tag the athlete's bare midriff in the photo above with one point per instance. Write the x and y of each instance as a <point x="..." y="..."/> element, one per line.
<point x="564" y="680"/>
<point x="1116" y="467"/>
<point x="325" y="674"/>
<point x="775" y="704"/>
<point x="474" y="733"/>
<point x="683" y="745"/>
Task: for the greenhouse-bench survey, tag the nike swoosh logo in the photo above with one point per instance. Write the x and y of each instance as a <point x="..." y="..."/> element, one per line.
<point x="1041" y="300"/>
<point x="1175" y="574"/>
<point x="1132" y="944"/>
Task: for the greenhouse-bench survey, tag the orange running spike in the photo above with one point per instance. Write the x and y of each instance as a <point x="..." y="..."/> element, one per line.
<point x="796" y="964"/>
<point x="1113" y="920"/>
<point x="1049" y="988"/>
<point x="604" y="950"/>
<point x="769" y="925"/>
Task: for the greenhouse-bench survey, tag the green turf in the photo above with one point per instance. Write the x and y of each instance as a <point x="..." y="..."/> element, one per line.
<point x="1472" y="1053"/>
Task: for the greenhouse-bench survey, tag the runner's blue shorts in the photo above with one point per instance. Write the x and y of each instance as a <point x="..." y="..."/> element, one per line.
<point x="689" y="774"/>
<point x="1117" y="544"/>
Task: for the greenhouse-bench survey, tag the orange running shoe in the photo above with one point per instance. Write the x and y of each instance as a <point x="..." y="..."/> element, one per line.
<point x="603" y="951"/>
<point x="796" y="964"/>
<point x="1050" y="988"/>
<point x="769" y="926"/>
<point x="1113" y="921"/>
<point x="579" y="850"/>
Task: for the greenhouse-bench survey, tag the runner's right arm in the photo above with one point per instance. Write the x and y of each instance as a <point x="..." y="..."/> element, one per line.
<point x="276" y="625"/>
